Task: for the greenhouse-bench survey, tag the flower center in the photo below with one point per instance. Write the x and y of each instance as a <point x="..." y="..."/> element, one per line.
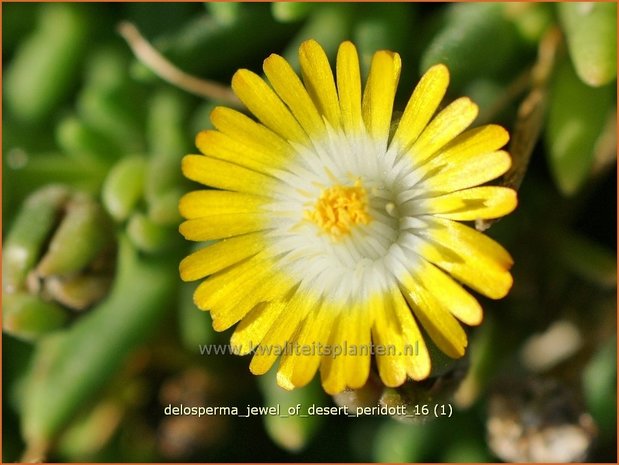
<point x="339" y="208"/>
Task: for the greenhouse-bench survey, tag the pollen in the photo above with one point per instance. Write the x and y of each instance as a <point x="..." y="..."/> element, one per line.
<point x="339" y="208"/>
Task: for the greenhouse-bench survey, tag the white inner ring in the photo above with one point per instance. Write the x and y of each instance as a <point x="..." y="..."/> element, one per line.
<point x="357" y="264"/>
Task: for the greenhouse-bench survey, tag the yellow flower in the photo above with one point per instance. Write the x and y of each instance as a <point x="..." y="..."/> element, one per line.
<point x="337" y="234"/>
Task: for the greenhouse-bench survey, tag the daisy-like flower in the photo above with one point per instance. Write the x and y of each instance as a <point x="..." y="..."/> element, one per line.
<point x="338" y="232"/>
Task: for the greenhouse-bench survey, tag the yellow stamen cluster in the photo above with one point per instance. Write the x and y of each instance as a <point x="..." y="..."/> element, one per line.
<point x="339" y="208"/>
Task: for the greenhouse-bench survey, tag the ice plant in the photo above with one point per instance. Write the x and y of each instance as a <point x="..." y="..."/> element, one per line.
<point x="337" y="231"/>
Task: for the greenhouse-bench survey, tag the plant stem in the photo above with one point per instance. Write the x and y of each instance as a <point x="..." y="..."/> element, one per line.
<point x="156" y="62"/>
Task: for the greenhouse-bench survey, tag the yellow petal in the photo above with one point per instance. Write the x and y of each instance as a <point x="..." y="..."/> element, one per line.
<point x="232" y="293"/>
<point x="254" y="326"/>
<point x="224" y="175"/>
<point x="379" y="93"/>
<point x="249" y="133"/>
<point x="274" y="342"/>
<point x="440" y="325"/>
<point x="349" y="87"/>
<point x="422" y="105"/>
<point x="483" y="139"/>
<point x="201" y="203"/>
<point x="297" y="370"/>
<point x="318" y="79"/>
<point x="291" y="90"/>
<point x="222" y="226"/>
<point x="450" y="294"/>
<point x="223" y="147"/>
<point x="470" y="256"/>
<point x="226" y="280"/>
<point x="260" y="99"/>
<point x="348" y="364"/>
<point x="358" y="342"/>
<point x="459" y="172"/>
<point x="476" y="203"/>
<point x="417" y="362"/>
<point x="450" y="122"/>
<point x="218" y="256"/>
<point x="333" y="366"/>
<point x="387" y="336"/>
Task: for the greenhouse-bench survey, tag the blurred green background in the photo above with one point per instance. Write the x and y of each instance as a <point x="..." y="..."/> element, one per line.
<point x="100" y="334"/>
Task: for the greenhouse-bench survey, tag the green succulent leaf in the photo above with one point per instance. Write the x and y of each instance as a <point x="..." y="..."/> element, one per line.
<point x="591" y="31"/>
